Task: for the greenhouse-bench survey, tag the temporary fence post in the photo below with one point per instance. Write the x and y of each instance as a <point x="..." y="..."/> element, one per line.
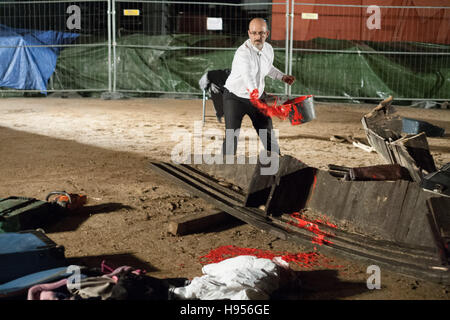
<point x="286" y="52"/>
<point x="291" y="43"/>
<point x="109" y="47"/>
<point x="114" y="44"/>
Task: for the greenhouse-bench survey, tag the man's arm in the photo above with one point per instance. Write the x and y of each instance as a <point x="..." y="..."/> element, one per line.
<point x="276" y="74"/>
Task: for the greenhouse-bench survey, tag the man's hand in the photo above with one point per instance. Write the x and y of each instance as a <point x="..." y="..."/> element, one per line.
<point x="288" y="79"/>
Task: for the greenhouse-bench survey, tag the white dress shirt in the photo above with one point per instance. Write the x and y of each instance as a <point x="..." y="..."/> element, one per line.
<point x="250" y="67"/>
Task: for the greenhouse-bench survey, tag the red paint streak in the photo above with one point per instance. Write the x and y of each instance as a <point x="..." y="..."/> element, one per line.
<point x="314" y="184"/>
<point x="313" y="226"/>
<point x="304" y="260"/>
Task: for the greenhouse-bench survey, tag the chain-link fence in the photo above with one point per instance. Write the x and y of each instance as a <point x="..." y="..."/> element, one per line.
<point x="48" y="46"/>
<point x="367" y="51"/>
<point x="166" y="46"/>
<point x="342" y="51"/>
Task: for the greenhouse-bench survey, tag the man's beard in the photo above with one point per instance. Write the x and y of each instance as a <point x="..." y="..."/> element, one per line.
<point x="258" y="45"/>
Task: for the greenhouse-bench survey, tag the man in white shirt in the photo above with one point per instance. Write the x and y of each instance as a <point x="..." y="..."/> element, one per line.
<point x="252" y="62"/>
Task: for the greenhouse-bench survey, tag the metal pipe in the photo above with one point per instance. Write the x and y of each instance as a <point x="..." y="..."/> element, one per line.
<point x="374" y="52"/>
<point x="286" y="51"/>
<point x="109" y="47"/>
<point x="205" y="3"/>
<point x="291" y="43"/>
<point x="204" y="106"/>
<point x="113" y="17"/>
<point x="366" y="6"/>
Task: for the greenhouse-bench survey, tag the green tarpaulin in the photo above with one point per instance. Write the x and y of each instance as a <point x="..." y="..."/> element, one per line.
<point x="170" y="64"/>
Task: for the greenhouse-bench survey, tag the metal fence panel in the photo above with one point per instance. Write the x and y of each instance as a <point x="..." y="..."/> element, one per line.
<point x="370" y="52"/>
<point x="83" y="64"/>
<point x="176" y="42"/>
<point x="335" y="50"/>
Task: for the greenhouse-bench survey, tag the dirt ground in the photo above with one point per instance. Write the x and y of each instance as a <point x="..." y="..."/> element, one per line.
<point x="102" y="148"/>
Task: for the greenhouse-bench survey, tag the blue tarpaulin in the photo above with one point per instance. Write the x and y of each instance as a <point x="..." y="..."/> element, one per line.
<point x="24" y="62"/>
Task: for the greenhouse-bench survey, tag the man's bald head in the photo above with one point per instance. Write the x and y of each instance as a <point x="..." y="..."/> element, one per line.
<point x="258" y="32"/>
<point x="257" y="23"/>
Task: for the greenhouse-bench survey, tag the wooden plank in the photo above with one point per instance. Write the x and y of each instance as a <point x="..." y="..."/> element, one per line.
<point x="195" y="223"/>
<point x="440" y="208"/>
<point x="417" y="227"/>
<point x="259" y="188"/>
<point x="384" y="133"/>
<point x="235" y="173"/>
<point x="391" y="201"/>
<point x="401" y="258"/>
<point x="417" y="149"/>
<point x="439" y="219"/>
<point x="291" y="188"/>
<point x="194" y="173"/>
<point x="383" y="121"/>
<point x="185" y="173"/>
<point x="380" y="145"/>
<point x="393" y="211"/>
<point x="219" y="200"/>
<point x="328" y="196"/>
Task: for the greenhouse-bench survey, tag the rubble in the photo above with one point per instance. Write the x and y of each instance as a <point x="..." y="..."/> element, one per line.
<point x="382" y="212"/>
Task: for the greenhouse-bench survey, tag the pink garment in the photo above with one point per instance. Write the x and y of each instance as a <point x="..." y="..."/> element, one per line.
<point x="44" y="291"/>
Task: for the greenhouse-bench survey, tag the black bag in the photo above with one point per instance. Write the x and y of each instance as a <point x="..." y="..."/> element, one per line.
<point x="218" y="78"/>
<point x="27" y="252"/>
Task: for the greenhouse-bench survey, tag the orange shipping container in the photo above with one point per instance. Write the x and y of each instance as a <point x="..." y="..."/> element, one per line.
<point x="359" y="24"/>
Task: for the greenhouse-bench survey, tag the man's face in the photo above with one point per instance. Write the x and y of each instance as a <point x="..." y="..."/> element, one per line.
<point x="258" y="34"/>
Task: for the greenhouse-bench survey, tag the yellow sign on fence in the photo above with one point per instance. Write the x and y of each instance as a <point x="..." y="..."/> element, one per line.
<point x="310" y="16"/>
<point x="130" y="12"/>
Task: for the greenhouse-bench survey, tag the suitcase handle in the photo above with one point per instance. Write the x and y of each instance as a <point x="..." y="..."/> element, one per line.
<point x="58" y="192"/>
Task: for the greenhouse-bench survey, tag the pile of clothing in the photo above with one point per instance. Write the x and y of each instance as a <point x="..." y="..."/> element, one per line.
<point x="238" y="278"/>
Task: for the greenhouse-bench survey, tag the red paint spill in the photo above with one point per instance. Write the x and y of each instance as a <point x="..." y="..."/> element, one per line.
<point x="315" y="182"/>
<point x="304" y="260"/>
<point x="288" y="109"/>
<point x="313" y="226"/>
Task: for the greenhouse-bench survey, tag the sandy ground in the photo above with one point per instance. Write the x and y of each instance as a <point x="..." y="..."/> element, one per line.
<point x="102" y="148"/>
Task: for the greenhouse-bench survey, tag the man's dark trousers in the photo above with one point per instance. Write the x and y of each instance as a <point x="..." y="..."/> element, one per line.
<point x="235" y="108"/>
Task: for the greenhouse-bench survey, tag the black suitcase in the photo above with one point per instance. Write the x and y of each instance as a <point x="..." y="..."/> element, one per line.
<point x="21" y="213"/>
<point x="26" y="252"/>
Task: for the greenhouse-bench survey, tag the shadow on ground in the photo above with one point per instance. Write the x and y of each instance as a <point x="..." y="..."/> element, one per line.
<point x="320" y="285"/>
<point x="112" y="261"/>
<point x="72" y="220"/>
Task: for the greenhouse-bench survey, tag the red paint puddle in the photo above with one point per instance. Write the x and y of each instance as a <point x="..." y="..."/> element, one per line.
<point x="304" y="260"/>
<point x="313" y="226"/>
<point x="287" y="110"/>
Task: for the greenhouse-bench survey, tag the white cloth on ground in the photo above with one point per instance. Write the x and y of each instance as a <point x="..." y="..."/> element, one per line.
<point x="238" y="278"/>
